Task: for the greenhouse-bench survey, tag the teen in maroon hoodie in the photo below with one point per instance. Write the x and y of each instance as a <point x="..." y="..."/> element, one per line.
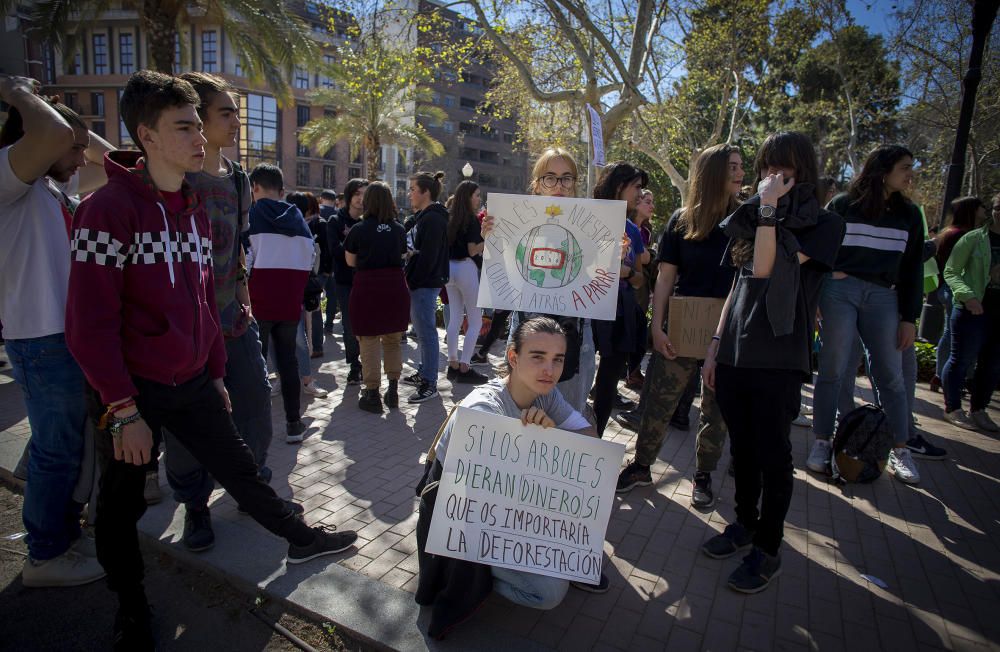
<point x="141" y="320"/>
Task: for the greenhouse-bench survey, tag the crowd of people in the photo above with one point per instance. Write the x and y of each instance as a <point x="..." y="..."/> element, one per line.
<point x="163" y="302"/>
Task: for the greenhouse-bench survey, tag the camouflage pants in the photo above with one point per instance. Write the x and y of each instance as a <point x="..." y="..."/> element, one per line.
<point x="665" y="383"/>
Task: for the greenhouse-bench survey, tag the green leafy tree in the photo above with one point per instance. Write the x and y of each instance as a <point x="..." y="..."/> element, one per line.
<point x="269" y="38"/>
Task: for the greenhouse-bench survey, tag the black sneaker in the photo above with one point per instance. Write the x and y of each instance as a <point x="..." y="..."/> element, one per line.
<point x="602" y="585"/>
<point x="629" y="419"/>
<point x="756" y="572"/>
<point x="470" y="377"/>
<point x="451" y="373"/>
<point x="295" y="508"/>
<point x="265" y="474"/>
<point x="327" y="542"/>
<point x="424" y="393"/>
<point x="920" y="447"/>
<point x="414" y="379"/>
<point x="702" y="496"/>
<point x="354" y="375"/>
<point x="680" y="422"/>
<point x="622" y="403"/>
<point x="633" y="475"/>
<point x="295" y="431"/>
<point x="198" y="533"/>
<point x="482" y="357"/>
<point x="133" y="629"/>
<point x="732" y="540"/>
<point x="391" y="396"/>
<point x="370" y="401"/>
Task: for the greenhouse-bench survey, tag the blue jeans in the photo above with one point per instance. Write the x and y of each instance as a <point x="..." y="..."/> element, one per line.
<point x="250" y="395"/>
<point x="975" y="339"/>
<point x="529" y="589"/>
<point x="852" y="307"/>
<point x="944" y="344"/>
<point x="55" y="397"/>
<point x="423" y="308"/>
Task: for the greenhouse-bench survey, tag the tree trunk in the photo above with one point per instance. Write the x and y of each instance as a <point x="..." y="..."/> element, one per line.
<point x="373" y="147"/>
<point x="159" y="19"/>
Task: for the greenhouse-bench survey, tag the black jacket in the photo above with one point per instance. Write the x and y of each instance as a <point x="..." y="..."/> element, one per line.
<point x="428" y="237"/>
<point x="338" y="226"/>
<point x="321" y="233"/>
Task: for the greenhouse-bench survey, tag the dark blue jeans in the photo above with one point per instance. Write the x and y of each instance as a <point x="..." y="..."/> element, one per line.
<point x="975" y="339"/>
<point x="250" y="395"/>
<point x="54" y="394"/>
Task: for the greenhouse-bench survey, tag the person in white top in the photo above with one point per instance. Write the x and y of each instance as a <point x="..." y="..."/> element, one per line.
<point x="44" y="151"/>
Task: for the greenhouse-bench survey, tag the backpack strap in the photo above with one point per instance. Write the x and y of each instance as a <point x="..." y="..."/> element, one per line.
<point x="432" y="451"/>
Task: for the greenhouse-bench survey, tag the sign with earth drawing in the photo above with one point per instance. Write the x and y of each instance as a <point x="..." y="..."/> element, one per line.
<point x="553" y="255"/>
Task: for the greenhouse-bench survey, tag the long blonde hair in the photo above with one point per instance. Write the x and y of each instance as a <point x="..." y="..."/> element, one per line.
<point x="542" y="164"/>
<point x="709" y="198"/>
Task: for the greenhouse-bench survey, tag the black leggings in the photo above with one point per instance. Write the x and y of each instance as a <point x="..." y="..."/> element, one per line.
<point x="497" y="328"/>
<point x="283" y="333"/>
<point x="609" y="372"/>
<point x="758" y="406"/>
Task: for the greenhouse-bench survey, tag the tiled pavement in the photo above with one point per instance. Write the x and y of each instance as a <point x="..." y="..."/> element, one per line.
<point x="936" y="546"/>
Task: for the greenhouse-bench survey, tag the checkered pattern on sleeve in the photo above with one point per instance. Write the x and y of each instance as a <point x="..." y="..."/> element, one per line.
<point x="92" y="245"/>
<point x="150" y="247"/>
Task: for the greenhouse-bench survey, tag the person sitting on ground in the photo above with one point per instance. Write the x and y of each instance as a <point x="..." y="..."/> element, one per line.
<point x="525" y="390"/>
<point x="283" y="255"/>
<point x="692" y="264"/>
<point x="380" y="302"/>
<point x="973" y="274"/>
<point x="783" y="245"/>
<point x="142" y="251"/>
<point x="465" y="240"/>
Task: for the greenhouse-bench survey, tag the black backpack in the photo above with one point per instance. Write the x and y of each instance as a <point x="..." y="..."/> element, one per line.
<point x="861" y="445"/>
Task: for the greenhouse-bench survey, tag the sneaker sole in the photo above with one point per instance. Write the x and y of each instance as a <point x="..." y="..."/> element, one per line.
<point x="760" y="588"/>
<point x="199" y="548"/>
<point x="707" y="505"/>
<point x="819" y="469"/>
<point x="903" y="480"/>
<point x="637" y="483"/>
<point x="728" y="554"/>
<point x="302" y="560"/>
<point x="590" y="588"/>
<point x="295" y="440"/>
<point x="421" y="399"/>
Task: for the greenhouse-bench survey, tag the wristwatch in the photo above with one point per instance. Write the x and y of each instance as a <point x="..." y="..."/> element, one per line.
<point x="766" y="215"/>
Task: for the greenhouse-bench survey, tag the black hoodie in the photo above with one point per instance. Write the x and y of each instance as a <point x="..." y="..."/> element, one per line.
<point x="428" y="237"/>
<point x="337" y="227"/>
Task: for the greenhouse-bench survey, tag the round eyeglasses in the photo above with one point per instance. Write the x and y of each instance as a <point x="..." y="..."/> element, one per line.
<point x="550" y="181"/>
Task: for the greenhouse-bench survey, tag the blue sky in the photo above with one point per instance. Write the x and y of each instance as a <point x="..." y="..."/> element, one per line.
<point x="874" y="14"/>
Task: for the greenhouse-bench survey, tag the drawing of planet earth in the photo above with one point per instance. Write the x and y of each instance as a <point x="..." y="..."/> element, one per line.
<point x="549" y="256"/>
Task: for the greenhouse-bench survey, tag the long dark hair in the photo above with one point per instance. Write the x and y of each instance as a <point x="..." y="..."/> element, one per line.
<point x="460" y="209"/>
<point x="867" y="190"/>
<point x="533" y="326"/>
<point x="963" y="212"/>
<point x="789" y="149"/>
<point x="709" y="199"/>
<point x="615" y="177"/>
<point x="378" y="202"/>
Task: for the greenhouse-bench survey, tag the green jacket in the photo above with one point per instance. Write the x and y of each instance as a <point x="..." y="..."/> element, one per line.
<point x="968" y="270"/>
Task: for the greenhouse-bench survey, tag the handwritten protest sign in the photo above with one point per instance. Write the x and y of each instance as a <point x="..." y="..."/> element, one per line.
<point x="525" y="498"/>
<point x="691" y="323"/>
<point x="555" y="255"/>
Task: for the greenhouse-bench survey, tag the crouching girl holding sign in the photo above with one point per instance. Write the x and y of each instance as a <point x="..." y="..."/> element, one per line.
<point x="534" y="362"/>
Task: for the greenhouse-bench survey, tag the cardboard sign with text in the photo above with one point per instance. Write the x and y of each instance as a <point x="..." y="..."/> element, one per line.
<point x="524" y="498"/>
<point x="691" y="322"/>
<point x="554" y="255"/>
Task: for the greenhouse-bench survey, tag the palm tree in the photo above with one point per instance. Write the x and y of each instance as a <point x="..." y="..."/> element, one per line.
<point x="376" y="94"/>
<point x="270" y="40"/>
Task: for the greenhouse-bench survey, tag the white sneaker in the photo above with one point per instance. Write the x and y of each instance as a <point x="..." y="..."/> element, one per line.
<point x="959" y="418"/>
<point x="802" y="421"/>
<point x="983" y="421"/>
<point x="312" y="390"/>
<point x="819" y="456"/>
<point x="85" y="545"/>
<point x="68" y="569"/>
<point x="902" y="466"/>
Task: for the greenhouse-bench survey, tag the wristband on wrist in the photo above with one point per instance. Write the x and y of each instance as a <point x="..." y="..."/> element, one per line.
<point x="716" y="338"/>
<point x="116" y="425"/>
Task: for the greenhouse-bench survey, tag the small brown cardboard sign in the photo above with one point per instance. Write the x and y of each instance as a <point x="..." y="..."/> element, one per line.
<point x="691" y="322"/>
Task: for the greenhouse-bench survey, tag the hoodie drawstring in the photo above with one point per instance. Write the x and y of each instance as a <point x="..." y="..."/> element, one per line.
<point x="197" y="243"/>
<point x="170" y="250"/>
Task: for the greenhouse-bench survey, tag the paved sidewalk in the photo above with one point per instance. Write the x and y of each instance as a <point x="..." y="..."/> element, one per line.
<point x="936" y="546"/>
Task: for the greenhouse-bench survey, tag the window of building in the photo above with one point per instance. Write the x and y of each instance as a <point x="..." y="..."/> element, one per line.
<point x="177" y="54"/>
<point x="402" y="198"/>
<point x="210" y="51"/>
<point x="238" y="68"/>
<point x="476" y="80"/>
<point x="97" y="126"/>
<point x="69" y="99"/>
<point x="329" y="176"/>
<point x="77" y="67"/>
<point x="468" y="128"/>
<point x="97" y="104"/>
<point x="324" y="80"/>
<point x="260" y="129"/>
<point x="468" y="103"/>
<point x="449" y="76"/>
<point x="449" y="101"/>
<point x="301" y="77"/>
<point x="302" y="175"/>
<point x="448" y="127"/>
<point x="301" y="115"/>
<point x="126" y="53"/>
<point x="302" y="150"/>
<point x="508" y="137"/>
<point x="49" y="60"/>
<point x="330" y="154"/>
<point x="487" y="179"/>
<point x="354" y="173"/>
<point x="124" y="138"/>
<point x="469" y="153"/>
<point x="100" y="44"/>
<point x="489" y="157"/>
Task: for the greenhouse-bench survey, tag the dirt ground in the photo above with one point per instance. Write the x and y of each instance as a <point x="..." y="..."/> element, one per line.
<point x="192" y="610"/>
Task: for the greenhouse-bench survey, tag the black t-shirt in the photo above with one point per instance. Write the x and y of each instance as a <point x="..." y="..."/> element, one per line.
<point x="748" y="339"/>
<point x="376" y="245"/>
<point x="472" y="233"/>
<point x="703" y="268"/>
